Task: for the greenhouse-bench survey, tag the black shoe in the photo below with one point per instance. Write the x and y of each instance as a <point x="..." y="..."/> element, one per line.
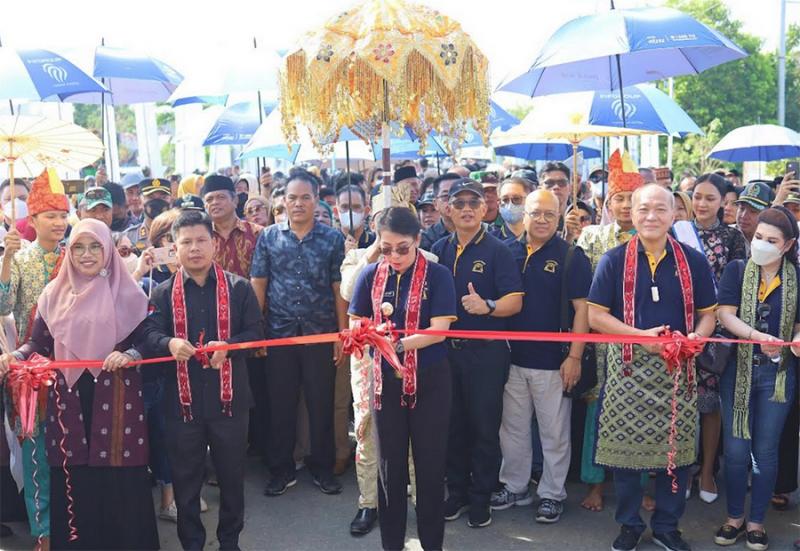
<point x="454" y="507"/>
<point x="5" y="531"/>
<point x="279" y="484"/>
<point x="728" y="535"/>
<point x="364" y="522"/>
<point x="479" y="516"/>
<point x="671" y="541"/>
<point x="627" y="540"/>
<point x="328" y="484"/>
<point x="757" y="540"/>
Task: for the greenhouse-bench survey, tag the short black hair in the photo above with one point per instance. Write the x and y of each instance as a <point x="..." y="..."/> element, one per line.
<point x="400" y="220"/>
<point x="524" y="182"/>
<point x="356" y="179"/>
<point x="355" y="190"/>
<point x="17" y="182"/>
<point x="279" y="191"/>
<point x="189" y="218"/>
<point x="117" y="193"/>
<point x="326" y="192"/>
<point x="552" y="167"/>
<point x="441" y="178"/>
<point x="304" y="176"/>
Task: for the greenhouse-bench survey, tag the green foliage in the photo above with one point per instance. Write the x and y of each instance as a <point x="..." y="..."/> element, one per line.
<point x="520" y="110"/>
<point x="691" y="153"/>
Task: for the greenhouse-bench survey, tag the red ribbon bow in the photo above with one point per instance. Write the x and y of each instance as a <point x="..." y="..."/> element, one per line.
<point x="25" y="381"/>
<point x="364" y="332"/>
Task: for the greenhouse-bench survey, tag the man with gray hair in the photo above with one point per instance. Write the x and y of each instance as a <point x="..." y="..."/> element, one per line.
<point x="642" y="289"/>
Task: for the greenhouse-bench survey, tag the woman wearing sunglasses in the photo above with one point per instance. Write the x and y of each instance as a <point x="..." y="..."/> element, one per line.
<point x="758" y="301"/>
<point x="413" y="293"/>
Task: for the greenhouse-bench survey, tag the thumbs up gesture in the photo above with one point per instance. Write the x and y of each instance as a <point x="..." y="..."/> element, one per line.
<point x="473" y="303"/>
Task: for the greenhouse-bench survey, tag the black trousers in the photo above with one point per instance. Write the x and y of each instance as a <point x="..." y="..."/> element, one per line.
<point x="186" y="445"/>
<point x="289" y="368"/>
<point x="426" y="425"/>
<point x="259" y="413"/>
<point x="473" y="454"/>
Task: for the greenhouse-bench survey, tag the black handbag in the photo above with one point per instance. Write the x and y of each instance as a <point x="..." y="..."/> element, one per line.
<point x="715" y="355"/>
<point x="588" y="378"/>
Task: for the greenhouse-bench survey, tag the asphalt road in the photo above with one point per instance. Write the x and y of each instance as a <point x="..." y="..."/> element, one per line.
<point x="306" y="519"/>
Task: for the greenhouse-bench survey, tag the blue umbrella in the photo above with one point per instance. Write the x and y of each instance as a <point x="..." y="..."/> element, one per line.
<point x="545" y="151"/>
<point x="646" y="108"/>
<point x="42" y="75"/>
<point x="237" y="124"/>
<point x="627" y="47"/>
<point x="499" y="118"/>
<point x="130" y="77"/>
<point x="757" y="142"/>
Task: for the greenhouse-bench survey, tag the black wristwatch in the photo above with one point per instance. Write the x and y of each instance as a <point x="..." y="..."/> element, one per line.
<point x="492" y="306"/>
<point x="399" y="348"/>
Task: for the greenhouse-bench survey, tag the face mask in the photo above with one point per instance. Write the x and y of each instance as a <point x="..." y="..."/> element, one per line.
<point x="764" y="253"/>
<point x="242" y="199"/>
<point x="512" y="214"/>
<point x="344" y="219"/>
<point x="21" y="208"/>
<point x="154" y="207"/>
<point x="130" y="262"/>
<point x="597" y="189"/>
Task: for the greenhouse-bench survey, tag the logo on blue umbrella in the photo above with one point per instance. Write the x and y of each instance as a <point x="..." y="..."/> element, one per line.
<point x="630" y="109"/>
<point x="56" y="72"/>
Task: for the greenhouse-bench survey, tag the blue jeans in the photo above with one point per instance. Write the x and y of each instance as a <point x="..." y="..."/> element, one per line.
<point x="152" y="396"/>
<point x="669" y="506"/>
<point x="766" y="424"/>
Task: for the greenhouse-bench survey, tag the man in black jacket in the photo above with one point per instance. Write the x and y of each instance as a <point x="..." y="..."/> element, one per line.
<point x="206" y="396"/>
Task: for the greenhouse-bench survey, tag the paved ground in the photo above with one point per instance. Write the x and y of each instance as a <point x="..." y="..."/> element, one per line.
<point x="304" y="518"/>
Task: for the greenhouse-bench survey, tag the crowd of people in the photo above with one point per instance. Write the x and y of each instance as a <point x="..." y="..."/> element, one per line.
<point x="165" y="268"/>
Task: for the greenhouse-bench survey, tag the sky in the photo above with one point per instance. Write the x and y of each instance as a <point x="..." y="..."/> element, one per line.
<point x="191" y="35"/>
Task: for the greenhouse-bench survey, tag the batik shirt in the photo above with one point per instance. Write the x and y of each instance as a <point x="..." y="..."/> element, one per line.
<point x="30" y="273"/>
<point x="235" y="254"/>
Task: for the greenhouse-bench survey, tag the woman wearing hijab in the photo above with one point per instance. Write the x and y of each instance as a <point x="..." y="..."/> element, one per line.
<point x="96" y="433"/>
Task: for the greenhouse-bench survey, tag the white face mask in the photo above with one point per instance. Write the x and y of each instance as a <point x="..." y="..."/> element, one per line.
<point x="21" y="208"/>
<point x="344" y="219"/>
<point x="130" y="262"/>
<point x="597" y="189"/>
<point x="763" y="253"/>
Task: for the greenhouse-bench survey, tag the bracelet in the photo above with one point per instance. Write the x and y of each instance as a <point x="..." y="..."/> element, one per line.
<point x="574" y="358"/>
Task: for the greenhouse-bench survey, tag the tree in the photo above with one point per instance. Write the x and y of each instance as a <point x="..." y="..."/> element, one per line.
<point x="691" y="154"/>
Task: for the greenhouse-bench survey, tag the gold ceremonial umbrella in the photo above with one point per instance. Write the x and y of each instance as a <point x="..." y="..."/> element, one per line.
<point x="382" y="64"/>
<point x="35" y="143"/>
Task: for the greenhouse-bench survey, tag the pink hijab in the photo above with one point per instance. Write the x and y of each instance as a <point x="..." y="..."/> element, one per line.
<point x="89" y="316"/>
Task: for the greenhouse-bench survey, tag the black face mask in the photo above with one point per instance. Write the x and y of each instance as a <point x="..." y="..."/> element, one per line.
<point x="154" y="207"/>
<point x="241" y="199"/>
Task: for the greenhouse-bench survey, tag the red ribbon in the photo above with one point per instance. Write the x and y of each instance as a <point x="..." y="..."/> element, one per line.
<point x="364" y="332"/>
<point x="25" y="383"/>
<point x="677" y="353"/>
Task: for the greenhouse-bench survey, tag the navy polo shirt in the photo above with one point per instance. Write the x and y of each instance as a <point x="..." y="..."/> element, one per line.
<point x="488" y="264"/>
<point x="606" y="291"/>
<point x="542" y="277"/>
<point x="438" y="300"/>
<point x="730" y="294"/>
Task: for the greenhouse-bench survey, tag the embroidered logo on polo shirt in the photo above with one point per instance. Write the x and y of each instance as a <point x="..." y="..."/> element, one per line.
<point x="550" y="266"/>
<point x="478" y="266"/>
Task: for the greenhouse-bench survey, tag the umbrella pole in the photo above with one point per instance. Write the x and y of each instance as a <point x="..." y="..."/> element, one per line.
<point x="260" y="118"/>
<point x="349" y="189"/>
<point x="386" y="154"/>
<point x="11" y="184"/>
<point x="575" y="179"/>
<point x="438" y="167"/>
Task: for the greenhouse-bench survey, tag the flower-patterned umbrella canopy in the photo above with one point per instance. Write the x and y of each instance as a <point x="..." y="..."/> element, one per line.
<point x="381" y="64"/>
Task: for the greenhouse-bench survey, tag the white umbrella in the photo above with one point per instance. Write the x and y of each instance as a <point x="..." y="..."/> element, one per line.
<point x="30" y="144"/>
<point x="757" y="142"/>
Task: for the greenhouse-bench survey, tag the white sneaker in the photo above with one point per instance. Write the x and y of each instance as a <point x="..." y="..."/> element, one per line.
<point x="169" y="513"/>
<point x="203" y="505"/>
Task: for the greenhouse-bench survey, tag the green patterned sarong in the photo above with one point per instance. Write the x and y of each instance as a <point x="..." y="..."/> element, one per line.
<point x="635" y="413"/>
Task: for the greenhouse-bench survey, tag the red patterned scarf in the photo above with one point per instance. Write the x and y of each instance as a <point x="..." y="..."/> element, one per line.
<point x="419" y="273"/>
<point x="629" y="288"/>
<point x="223" y="334"/>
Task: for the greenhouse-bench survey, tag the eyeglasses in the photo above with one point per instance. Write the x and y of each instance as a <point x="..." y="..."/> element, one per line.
<point x="560" y="182"/>
<point x="95" y="249"/>
<point x="546" y="215"/>
<point x="401" y="250"/>
<point x="596" y="178"/>
<point x="124" y="252"/>
<point x="762" y="311"/>
<point x="459" y="204"/>
<point x="279" y="210"/>
<point x="514" y="200"/>
<point x="255" y="209"/>
<point x="585" y="219"/>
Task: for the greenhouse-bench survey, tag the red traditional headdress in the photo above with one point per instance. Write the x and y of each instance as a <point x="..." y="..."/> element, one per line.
<point x="622" y="173"/>
<point x="47" y="193"/>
